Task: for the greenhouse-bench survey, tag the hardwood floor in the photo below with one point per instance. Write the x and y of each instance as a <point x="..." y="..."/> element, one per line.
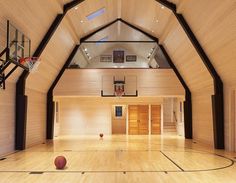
<point x="120" y="159"/>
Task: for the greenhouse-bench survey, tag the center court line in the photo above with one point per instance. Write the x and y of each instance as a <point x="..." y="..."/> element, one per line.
<point x="172" y="161"/>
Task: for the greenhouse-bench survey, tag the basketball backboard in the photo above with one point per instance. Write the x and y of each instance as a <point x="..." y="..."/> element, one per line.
<point x="110" y="83"/>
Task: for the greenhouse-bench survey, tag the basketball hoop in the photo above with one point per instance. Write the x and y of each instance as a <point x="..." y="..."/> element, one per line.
<point x="31" y="62"/>
<point x="119" y="93"/>
<point x="119" y="90"/>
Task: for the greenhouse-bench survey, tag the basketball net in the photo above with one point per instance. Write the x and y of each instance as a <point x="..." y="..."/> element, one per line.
<point x="119" y="92"/>
<point x="31" y="62"/>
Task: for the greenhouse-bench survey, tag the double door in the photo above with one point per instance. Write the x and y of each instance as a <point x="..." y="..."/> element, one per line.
<point x="139" y="119"/>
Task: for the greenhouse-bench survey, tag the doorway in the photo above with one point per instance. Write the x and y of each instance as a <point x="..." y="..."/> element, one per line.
<point x="138" y="119"/>
<point x="119" y="119"/>
<point x="155" y="119"/>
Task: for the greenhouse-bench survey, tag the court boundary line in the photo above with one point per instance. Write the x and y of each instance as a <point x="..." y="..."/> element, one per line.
<point x="167" y="157"/>
<point x="133" y="171"/>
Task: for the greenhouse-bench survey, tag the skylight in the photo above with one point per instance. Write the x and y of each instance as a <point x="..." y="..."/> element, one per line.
<point x="102" y="40"/>
<point x="96" y="14"/>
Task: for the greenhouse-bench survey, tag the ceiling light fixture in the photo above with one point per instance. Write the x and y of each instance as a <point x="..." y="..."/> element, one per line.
<point x="81" y="21"/>
<point x="76" y="8"/>
<point x="162" y="7"/>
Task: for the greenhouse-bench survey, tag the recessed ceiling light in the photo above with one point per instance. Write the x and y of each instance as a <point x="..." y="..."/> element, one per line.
<point x="85" y="49"/>
<point x="81" y="21"/>
<point x="152" y="30"/>
<point x="157" y="21"/>
<point x="162" y="7"/>
<point x="76" y="8"/>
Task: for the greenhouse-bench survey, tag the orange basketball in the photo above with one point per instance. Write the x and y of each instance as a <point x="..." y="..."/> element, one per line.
<point x="60" y="162"/>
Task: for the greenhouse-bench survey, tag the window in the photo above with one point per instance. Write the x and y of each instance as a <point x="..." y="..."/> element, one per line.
<point x="118" y="111"/>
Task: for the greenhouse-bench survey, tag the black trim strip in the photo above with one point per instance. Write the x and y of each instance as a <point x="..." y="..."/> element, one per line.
<point x="36" y="173"/>
<point x="138" y="29"/>
<point x="172" y="161"/>
<point x="119" y="42"/>
<point x="48" y="35"/>
<point x="188" y="99"/>
<point x="50" y="103"/>
<point x="72" y="4"/>
<point x="136" y="95"/>
<point x="218" y="97"/>
<point x="21" y="99"/>
<point x="167" y="4"/>
<point x="83" y="39"/>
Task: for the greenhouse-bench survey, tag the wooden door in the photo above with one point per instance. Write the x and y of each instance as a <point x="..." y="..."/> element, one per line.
<point x="138" y="119"/>
<point x="156" y="119"/>
<point x="119" y="119"/>
<point x="133" y="119"/>
<point x="143" y="113"/>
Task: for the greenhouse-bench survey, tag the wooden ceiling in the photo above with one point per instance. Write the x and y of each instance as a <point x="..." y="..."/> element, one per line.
<point x="82" y="26"/>
<point x="147" y="15"/>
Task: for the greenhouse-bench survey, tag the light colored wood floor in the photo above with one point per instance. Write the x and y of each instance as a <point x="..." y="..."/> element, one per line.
<point x="120" y="159"/>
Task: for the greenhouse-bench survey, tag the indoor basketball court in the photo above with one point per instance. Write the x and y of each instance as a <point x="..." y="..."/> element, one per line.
<point x="117" y="91"/>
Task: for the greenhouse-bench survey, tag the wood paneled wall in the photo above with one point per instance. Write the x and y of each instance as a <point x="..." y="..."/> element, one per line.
<point x="216" y="33"/>
<point x="88" y="82"/>
<point x="36" y="117"/>
<point x="33" y="18"/>
<point x="196" y="76"/>
<point x="92" y="115"/>
<point x="52" y="60"/>
<point x="7" y="119"/>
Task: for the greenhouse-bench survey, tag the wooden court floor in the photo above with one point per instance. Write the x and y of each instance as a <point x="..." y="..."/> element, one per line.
<point x="119" y="159"/>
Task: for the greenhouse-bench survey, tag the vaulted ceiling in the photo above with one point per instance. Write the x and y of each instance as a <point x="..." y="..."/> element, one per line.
<point x="147" y="15"/>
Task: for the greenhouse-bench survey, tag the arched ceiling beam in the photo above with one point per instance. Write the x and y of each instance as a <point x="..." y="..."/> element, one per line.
<point x="83" y="39"/>
<point x="218" y="97"/>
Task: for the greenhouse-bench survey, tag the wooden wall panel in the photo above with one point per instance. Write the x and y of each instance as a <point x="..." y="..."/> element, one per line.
<point x="87" y="82"/>
<point x="33" y="18"/>
<point x="196" y="76"/>
<point x="93" y="115"/>
<point x="202" y="119"/>
<point x="186" y="58"/>
<point x="84" y="117"/>
<point x="7" y="119"/>
<point x="216" y="33"/>
<point x="36" y="118"/>
<point x="38" y="83"/>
